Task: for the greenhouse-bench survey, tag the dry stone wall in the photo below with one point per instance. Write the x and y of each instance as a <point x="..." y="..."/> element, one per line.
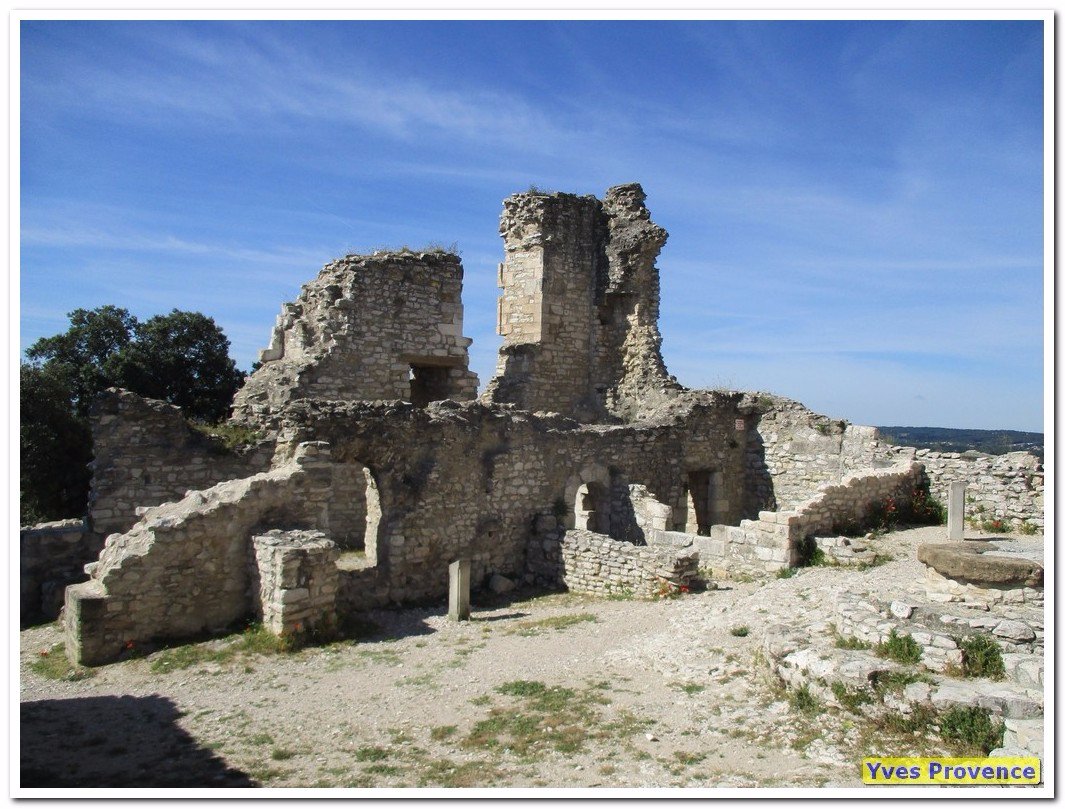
<point x="792" y="450"/>
<point x="146" y="453"/>
<point x="773" y="540"/>
<point x="184" y="568"/>
<point x="595" y="563"/>
<point x="52" y="555"/>
<point x="385" y="326"/>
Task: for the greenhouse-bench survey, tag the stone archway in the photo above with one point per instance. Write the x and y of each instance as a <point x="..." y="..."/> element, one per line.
<point x="587" y="499"/>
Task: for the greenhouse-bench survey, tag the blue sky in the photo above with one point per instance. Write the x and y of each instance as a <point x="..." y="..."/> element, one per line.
<point x="854" y="208"/>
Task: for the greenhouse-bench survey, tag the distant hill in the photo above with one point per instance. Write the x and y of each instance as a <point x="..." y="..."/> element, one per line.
<point x="946" y="439"/>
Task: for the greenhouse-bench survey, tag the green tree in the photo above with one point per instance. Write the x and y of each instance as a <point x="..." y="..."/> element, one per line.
<point x="181" y="358"/>
<point x="54" y="446"/>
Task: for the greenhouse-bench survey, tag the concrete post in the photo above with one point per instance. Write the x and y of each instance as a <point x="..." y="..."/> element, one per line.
<point x="458" y="604"/>
<point x="956" y="510"/>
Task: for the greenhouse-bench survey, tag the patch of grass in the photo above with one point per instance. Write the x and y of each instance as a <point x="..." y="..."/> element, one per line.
<point x="441" y="732"/>
<point x="254" y="640"/>
<point x="691" y="688"/>
<point x="686" y="758"/>
<point x="881" y="559"/>
<point x="483" y="699"/>
<point x="981" y="657"/>
<point x="426" y="680"/>
<point x="372" y="754"/>
<point x="261" y="739"/>
<point x="53" y="664"/>
<point x="1028" y="528"/>
<point x="851" y="642"/>
<point x="896" y="681"/>
<point x="739" y="631"/>
<point x="228" y="437"/>
<point x="786" y="572"/>
<point x="900" y="648"/>
<point x="282" y="754"/>
<point x="850" y="699"/>
<point x="383" y="769"/>
<point x="557" y="622"/>
<point x="446" y="773"/>
<point x="547" y="717"/>
<point x="971" y="727"/>
<point x="803" y="701"/>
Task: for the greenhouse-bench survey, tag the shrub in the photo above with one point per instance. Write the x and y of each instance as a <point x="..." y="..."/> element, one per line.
<point x="972" y="727"/>
<point x="786" y="572"/>
<point x="851" y="643"/>
<point x="739" y="631"/>
<point x="900" y="648"/>
<point x="803" y="701"/>
<point x="1027" y="528"/>
<point x="981" y="657"/>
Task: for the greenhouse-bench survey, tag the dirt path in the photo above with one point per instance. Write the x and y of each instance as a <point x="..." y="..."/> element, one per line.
<point x="553" y="691"/>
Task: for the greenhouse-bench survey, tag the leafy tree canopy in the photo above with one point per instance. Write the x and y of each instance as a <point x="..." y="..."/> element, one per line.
<point x="181" y="358"/>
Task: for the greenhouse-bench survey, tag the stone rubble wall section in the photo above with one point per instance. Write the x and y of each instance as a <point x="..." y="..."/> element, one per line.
<point x="936" y="633"/>
<point x="792" y="451"/>
<point x="355" y="332"/>
<point x="1008" y="487"/>
<point x="595" y="563"/>
<point x="579" y="306"/>
<point x="297" y="578"/>
<point x="772" y="541"/>
<point x="52" y="555"/>
<point x="467" y="481"/>
<point x="145" y="453"/>
<point x="184" y="568"/>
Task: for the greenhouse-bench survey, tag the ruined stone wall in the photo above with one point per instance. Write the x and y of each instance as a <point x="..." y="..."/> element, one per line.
<point x="1008" y="487"/>
<point x="792" y="451"/>
<point x="52" y="555"/>
<point x="184" y="568"/>
<point x="146" y="453"/>
<point x="386" y="326"/>
<point x="773" y="540"/>
<point x="294" y="582"/>
<point x="595" y="563"/>
<point x="579" y="307"/>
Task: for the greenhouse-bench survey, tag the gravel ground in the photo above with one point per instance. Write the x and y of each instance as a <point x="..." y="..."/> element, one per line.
<point x="539" y="691"/>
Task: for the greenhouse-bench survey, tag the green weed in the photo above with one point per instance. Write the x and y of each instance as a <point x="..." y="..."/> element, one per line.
<point x="900" y="648"/>
<point x="981" y="657"/>
<point x="54" y="665"/>
<point x="971" y="727"/>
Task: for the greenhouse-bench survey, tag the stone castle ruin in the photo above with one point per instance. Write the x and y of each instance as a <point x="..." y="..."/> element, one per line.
<point x="583" y="464"/>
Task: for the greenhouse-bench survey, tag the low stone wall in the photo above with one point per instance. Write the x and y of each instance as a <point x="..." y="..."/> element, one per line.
<point x="52" y="555"/>
<point x="595" y="563"/>
<point x="773" y="540"/>
<point x="1007" y="487"/>
<point x="183" y="568"/>
<point x="296" y="573"/>
<point x="146" y="453"/>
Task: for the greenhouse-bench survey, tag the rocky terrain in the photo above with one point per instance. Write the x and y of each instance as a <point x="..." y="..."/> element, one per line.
<point x="732" y="687"/>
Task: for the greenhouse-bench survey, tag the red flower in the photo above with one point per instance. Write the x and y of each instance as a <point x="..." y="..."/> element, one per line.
<point x="129" y="644"/>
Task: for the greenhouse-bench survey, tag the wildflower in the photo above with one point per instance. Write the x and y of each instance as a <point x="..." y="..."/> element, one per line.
<point x="129" y="644"/>
<point x="43" y="653"/>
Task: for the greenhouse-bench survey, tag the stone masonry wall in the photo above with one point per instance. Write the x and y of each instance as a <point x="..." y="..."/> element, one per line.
<point x="595" y="563"/>
<point x="52" y="555"/>
<point x="773" y="540"/>
<point x="1009" y="487"/>
<point x="579" y="307"/>
<point x="386" y="326"/>
<point x="792" y="450"/>
<point x="146" y="453"/>
<point x="184" y="567"/>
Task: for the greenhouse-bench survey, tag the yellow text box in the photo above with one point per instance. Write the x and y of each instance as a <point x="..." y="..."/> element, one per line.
<point x="944" y="771"/>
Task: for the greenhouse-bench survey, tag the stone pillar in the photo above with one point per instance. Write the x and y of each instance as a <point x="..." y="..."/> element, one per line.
<point x="297" y="581"/>
<point x="956" y="510"/>
<point x="458" y="604"/>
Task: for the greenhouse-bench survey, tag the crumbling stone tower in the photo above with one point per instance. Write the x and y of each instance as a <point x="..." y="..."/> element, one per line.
<point x="385" y="326"/>
<point x="579" y="307"/>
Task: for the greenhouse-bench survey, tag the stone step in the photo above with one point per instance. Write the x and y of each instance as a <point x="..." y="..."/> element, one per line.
<point x="998" y="698"/>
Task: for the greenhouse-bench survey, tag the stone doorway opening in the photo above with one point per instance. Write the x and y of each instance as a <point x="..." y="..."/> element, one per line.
<point x="700" y="504"/>
<point x="355" y="514"/>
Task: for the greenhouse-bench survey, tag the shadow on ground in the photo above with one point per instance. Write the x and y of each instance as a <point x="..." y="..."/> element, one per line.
<point x="116" y="742"/>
